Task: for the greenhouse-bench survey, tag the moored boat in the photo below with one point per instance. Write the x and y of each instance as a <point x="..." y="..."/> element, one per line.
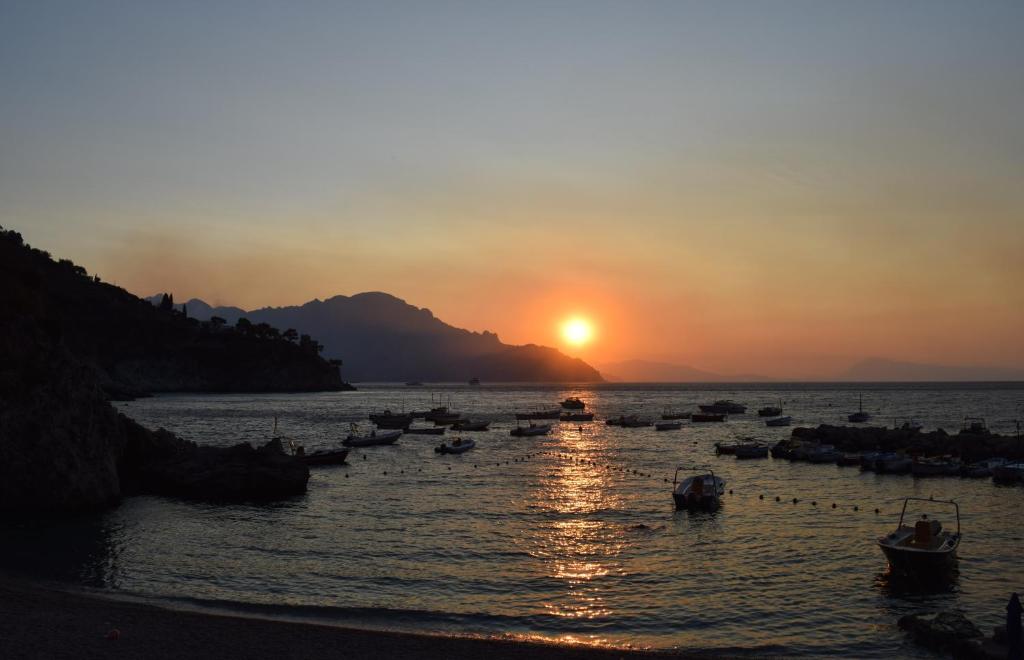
<point x="458" y="446"/>
<point x="670" y="415"/>
<point x="697" y="491"/>
<point x="532" y="429"/>
<point x="779" y="421"/>
<point x="390" y="420"/>
<point x="723" y="449"/>
<point x="751" y="450"/>
<point x="770" y="411"/>
<point x="725" y="406"/>
<point x="539" y="414"/>
<point x="975" y="425"/>
<point x="574" y="403"/>
<point x="628" y="421"/>
<point x="371" y="440"/>
<point x="849" y="459"/>
<point x="668" y="426"/>
<point x="446" y="420"/>
<point x="982" y="468"/>
<point x="1008" y="473"/>
<point x="468" y="425"/>
<point x="927" y="467"/>
<point x="923" y="547"/>
<point x="822" y="454"/>
<point x="323" y="456"/>
<point x="431" y="430"/>
<point x="893" y="463"/>
<point x="860" y="416"/>
<point x="708" y="417"/>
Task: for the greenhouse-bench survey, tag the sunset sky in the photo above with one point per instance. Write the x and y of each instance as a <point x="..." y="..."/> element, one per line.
<point x="776" y="188"/>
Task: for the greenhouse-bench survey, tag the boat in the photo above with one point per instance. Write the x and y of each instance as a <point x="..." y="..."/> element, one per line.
<point x="893" y="463"/>
<point x="577" y="417"/>
<point x="668" y="426"/>
<point x="574" y="403"/>
<point x="974" y="425"/>
<point x="387" y="438"/>
<point x="926" y="467"/>
<point x="869" y="459"/>
<point x="1008" y="473"/>
<point x="982" y="468"/>
<point x="848" y="459"/>
<point x="770" y="411"/>
<point x="724" y="449"/>
<point x="322" y="456"/>
<point x="779" y="421"/>
<point x="446" y="420"/>
<point x="670" y="415"/>
<point x="532" y="429"/>
<point x="467" y="425"/>
<point x="430" y="430"/>
<point x="783" y="449"/>
<point x="627" y="421"/>
<point x="726" y="406"/>
<point x="439" y="412"/>
<point x="390" y="420"/>
<point x="539" y="414"/>
<point x="923" y="547"/>
<point x="751" y="450"/>
<point x="860" y="416"/>
<point x="708" y="417"/>
<point x="823" y="454"/>
<point x="699" y="490"/>
<point x="474" y="381"/>
<point x="458" y="446"/>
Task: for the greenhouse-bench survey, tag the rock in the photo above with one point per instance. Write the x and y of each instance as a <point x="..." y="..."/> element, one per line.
<point x="969" y="447"/>
<point x="945" y="631"/>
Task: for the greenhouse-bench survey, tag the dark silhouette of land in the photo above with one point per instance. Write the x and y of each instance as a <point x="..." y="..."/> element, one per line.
<point x="383" y="338"/>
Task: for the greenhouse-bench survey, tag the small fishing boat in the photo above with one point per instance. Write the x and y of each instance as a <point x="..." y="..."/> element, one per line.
<point x="923" y="547"/>
<point x="390" y="420"/>
<point x="823" y="454"/>
<point x="982" y="468"/>
<point x="928" y="467"/>
<point x="539" y="414"/>
<point x="439" y="411"/>
<point x="726" y="406"/>
<point x="893" y="463"/>
<point x="322" y="456"/>
<point x="707" y="417"/>
<point x="1008" y="473"/>
<point x="770" y="411"/>
<point x="532" y="429"/>
<point x="670" y="415"/>
<point x="723" y="449"/>
<point x="699" y="490"/>
<point x="860" y="416"/>
<point x="574" y="403"/>
<point x="467" y="425"/>
<point x="848" y="460"/>
<point x="577" y="417"/>
<point x="387" y="438"/>
<point x="431" y="430"/>
<point x="751" y="450"/>
<point x="779" y="421"/>
<point x="458" y="446"/>
<point x="668" y="426"/>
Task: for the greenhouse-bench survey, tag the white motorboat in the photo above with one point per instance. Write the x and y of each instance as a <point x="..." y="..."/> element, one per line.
<point x="699" y="490"/>
<point x="371" y="440"/>
<point x="923" y="547"/>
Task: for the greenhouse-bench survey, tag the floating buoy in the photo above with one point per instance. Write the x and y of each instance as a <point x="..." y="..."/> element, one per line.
<point x="386" y="474"/>
<point x="760" y="497"/>
<point x="346" y="475"/>
<point x="856" y="508"/>
<point x="364" y="457"/>
<point x="795" y="500"/>
<point x="814" y="503"/>
<point x="778" y="499"/>
<point x="833" y="505"/>
<point x="876" y="511"/>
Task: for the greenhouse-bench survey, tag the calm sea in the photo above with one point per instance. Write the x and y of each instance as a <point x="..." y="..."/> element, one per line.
<point x="520" y="537"/>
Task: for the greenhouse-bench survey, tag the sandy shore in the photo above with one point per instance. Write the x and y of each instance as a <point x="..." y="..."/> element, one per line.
<point x="44" y="621"/>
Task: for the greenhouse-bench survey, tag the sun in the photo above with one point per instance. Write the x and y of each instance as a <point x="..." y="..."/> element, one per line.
<point x="577" y="331"/>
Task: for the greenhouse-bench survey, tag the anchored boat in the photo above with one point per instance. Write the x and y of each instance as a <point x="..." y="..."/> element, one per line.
<point x="539" y="414"/>
<point x="467" y="425"/>
<point x="574" y="403"/>
<point x="860" y="416"/>
<point x="371" y="440"/>
<point x="532" y="429"/>
<point x="726" y="406"/>
<point x="668" y="426"/>
<point x="923" y="547"/>
<point x="707" y="417"/>
<point x="751" y="450"/>
<point x="458" y="446"/>
<point x="699" y="490"/>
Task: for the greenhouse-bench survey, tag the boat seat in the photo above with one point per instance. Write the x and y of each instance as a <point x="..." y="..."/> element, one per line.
<point x="925" y="531"/>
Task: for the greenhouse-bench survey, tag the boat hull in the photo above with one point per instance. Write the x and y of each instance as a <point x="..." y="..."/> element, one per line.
<point x="326" y="458"/>
<point x="910" y="560"/>
<point x="371" y="441"/>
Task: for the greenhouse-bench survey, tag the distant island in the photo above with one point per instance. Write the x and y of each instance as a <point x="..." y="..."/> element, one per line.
<point x="383" y="338"/>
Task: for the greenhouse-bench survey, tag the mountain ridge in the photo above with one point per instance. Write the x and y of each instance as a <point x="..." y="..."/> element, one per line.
<point x="384" y="338"/>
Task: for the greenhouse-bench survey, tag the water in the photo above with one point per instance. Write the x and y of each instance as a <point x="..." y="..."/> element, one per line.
<point x="518" y="538"/>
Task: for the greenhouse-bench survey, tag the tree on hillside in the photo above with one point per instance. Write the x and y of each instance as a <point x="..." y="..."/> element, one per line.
<point x="290" y="335"/>
<point x="244" y="326"/>
<point x="165" y="303"/>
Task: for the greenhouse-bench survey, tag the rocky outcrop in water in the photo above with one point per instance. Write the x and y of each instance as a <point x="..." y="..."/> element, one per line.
<point x="969" y="446"/>
<point x="64" y="448"/>
<point x="950" y="632"/>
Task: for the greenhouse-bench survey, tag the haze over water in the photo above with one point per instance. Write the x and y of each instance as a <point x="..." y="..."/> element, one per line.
<point x="518" y="537"/>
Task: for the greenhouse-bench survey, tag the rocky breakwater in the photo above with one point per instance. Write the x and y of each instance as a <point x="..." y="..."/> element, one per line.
<point x="970" y="447"/>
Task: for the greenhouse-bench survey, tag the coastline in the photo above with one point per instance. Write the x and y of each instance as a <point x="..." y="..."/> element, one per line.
<point x="50" y="621"/>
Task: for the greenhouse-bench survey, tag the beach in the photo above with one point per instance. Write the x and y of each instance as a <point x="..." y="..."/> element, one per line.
<point x="46" y="621"/>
